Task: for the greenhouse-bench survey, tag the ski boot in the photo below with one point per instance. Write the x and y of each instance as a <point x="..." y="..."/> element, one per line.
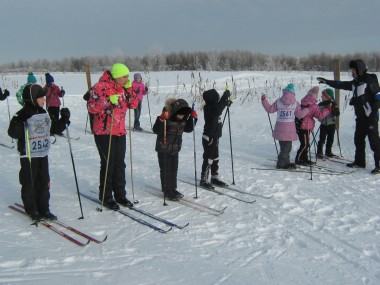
<point x="204" y="184"/>
<point x="49" y="216"/>
<point x="216" y="181"/>
<point x="124" y="202"/>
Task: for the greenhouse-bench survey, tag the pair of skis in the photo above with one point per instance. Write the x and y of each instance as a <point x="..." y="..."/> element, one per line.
<point x="50" y="225"/>
<point x="140" y="220"/>
<point x="7" y="145"/>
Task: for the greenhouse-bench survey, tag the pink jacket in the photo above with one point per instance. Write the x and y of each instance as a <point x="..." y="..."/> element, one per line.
<point x="310" y="102"/>
<point x="139" y="89"/>
<point x="101" y="107"/>
<point x="52" y="96"/>
<point x="285" y="127"/>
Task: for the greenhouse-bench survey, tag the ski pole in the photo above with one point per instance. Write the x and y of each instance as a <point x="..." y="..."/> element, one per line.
<point x="31" y="171"/>
<point x="165" y="164"/>
<point x="75" y="173"/>
<point x="232" y="158"/>
<point x="130" y="157"/>
<point x="150" y="117"/>
<point x="9" y="114"/>
<point x="311" y="167"/>
<point x="88" y="79"/>
<point x="195" y="157"/>
<point x="107" y="163"/>
<point x="337" y="135"/>
<point x="270" y="122"/>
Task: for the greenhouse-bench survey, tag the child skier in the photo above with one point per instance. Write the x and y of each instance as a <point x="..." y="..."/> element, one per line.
<point x="306" y="125"/>
<point x="53" y="94"/>
<point x="30" y="79"/>
<point x="328" y="127"/>
<point x="176" y="118"/>
<point x="31" y="126"/>
<point x="211" y="133"/>
<point x="287" y="109"/>
<point x="140" y="89"/>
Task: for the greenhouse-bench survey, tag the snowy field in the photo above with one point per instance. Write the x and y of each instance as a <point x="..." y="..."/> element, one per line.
<point x="320" y="231"/>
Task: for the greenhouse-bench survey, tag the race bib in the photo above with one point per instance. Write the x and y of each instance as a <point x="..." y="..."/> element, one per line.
<point x="285" y="113"/>
<point x="38" y="127"/>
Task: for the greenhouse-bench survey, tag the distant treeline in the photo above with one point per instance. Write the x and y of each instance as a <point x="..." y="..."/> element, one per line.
<point x="157" y="60"/>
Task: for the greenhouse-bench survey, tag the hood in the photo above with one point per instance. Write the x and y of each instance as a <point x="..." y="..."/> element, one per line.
<point x="359" y="65"/>
<point x="177" y="106"/>
<point x="211" y="96"/>
<point x="288" y="98"/>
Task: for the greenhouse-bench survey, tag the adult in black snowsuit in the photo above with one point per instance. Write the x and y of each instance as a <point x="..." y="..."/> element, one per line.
<point x="4" y="95"/>
<point x="364" y="86"/>
<point x="178" y="117"/>
<point x="212" y="131"/>
<point x="31" y="126"/>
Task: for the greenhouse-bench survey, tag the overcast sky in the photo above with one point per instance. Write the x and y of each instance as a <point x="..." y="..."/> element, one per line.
<point x="55" y="29"/>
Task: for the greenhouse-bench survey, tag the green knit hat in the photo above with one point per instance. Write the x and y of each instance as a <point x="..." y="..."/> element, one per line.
<point x="119" y="70"/>
<point x="31" y="78"/>
<point x="329" y="92"/>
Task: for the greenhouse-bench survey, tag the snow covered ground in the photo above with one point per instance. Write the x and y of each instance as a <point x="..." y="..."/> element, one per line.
<point x="320" y="231"/>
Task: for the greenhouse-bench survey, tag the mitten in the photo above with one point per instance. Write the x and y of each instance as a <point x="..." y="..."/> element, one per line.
<point x="263" y="97"/>
<point x="165" y="115"/>
<point x="336" y="112"/>
<point x="114" y="99"/>
<point x="63" y="92"/>
<point x="6" y="92"/>
<point x="194" y="114"/>
<point x="146" y="89"/>
<point x="65" y="114"/>
<point x="321" y="80"/>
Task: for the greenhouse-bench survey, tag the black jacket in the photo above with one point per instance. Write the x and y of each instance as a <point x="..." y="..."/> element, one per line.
<point x="174" y="131"/>
<point x="212" y="112"/>
<point x="16" y="128"/>
<point x="368" y="82"/>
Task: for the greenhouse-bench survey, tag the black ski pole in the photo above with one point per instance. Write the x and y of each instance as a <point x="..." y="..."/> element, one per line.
<point x="9" y="113"/>
<point x="271" y="127"/>
<point x="311" y="167"/>
<point x="75" y="173"/>
<point x="165" y="164"/>
<point x="232" y="158"/>
<point x="337" y="135"/>
<point x="195" y="158"/>
<point x="150" y="117"/>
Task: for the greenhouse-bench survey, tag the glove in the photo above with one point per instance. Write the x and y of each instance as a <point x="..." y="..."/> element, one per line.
<point x="263" y="97"/>
<point x="227" y="88"/>
<point x="6" y="92"/>
<point x="194" y="114"/>
<point x="230" y="100"/>
<point x="329" y="107"/>
<point x="321" y="80"/>
<point x="336" y="112"/>
<point x="87" y="96"/>
<point x="137" y="91"/>
<point x="114" y="99"/>
<point x="146" y="89"/>
<point x="63" y="92"/>
<point x="165" y="115"/>
<point x="353" y="101"/>
<point x="65" y="114"/>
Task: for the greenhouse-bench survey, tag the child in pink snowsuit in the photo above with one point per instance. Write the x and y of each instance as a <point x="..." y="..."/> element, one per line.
<point x="287" y="109"/>
<point x="306" y="125"/>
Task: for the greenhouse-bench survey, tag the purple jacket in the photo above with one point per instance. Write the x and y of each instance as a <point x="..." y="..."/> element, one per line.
<point x="310" y="102"/>
<point x="285" y="127"/>
<point x="139" y="89"/>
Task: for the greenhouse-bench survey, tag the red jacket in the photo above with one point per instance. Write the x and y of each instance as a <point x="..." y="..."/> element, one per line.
<point x="101" y="107"/>
<point x="52" y="96"/>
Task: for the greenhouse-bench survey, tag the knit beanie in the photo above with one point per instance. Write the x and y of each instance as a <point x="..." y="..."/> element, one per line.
<point x="49" y="78"/>
<point x="31" y="78"/>
<point x="313" y="92"/>
<point x="329" y="92"/>
<point x="119" y="70"/>
<point x="32" y="92"/>
<point x="289" y="88"/>
<point x="137" y="76"/>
